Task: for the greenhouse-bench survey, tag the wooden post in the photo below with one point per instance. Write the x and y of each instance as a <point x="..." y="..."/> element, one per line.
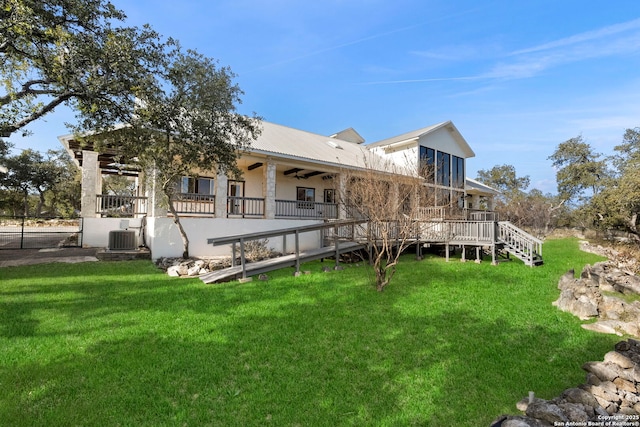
<point x="446" y="250"/>
<point x="242" y="260"/>
<point x="464" y="254"/>
<point x="233" y="255"/>
<point x="335" y="242"/>
<point x="297" y="252"/>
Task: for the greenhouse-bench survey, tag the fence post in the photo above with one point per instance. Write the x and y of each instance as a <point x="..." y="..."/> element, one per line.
<point x="22" y="233"/>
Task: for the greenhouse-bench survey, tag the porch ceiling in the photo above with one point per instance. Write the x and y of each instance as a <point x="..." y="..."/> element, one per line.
<point x="109" y="162"/>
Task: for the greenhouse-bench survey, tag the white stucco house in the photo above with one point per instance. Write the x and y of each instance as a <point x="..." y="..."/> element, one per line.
<point x="289" y="179"/>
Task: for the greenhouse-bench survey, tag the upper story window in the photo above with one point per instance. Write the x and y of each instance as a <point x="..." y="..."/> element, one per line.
<point x="457" y="172"/>
<point x="441" y="168"/>
<point x="427" y="163"/>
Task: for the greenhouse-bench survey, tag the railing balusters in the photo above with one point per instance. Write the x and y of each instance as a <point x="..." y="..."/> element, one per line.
<point x="192" y="203"/>
<point x="302" y="209"/>
<point x="245" y="206"/>
<point x="111" y="205"/>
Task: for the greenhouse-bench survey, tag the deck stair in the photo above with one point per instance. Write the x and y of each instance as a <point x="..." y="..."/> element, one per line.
<point x="519" y="243"/>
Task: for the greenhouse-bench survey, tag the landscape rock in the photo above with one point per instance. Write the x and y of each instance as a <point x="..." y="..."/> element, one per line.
<point x="612" y="388"/>
<point x="192" y="267"/>
<point x="546" y="412"/>
<point x="585" y="298"/>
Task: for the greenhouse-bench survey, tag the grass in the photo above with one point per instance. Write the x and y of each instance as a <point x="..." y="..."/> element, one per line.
<point x="121" y="344"/>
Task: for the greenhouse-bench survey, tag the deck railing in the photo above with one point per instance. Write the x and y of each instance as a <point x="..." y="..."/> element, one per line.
<point x="300" y="209"/>
<point x="431" y="212"/>
<point x="478" y="232"/>
<point x="520" y="240"/>
<point x="109" y="205"/>
<point x="191" y="203"/>
<point x="243" y="207"/>
<point x="481" y="215"/>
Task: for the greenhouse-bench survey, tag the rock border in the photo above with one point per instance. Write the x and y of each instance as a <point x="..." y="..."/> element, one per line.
<point x="611" y="394"/>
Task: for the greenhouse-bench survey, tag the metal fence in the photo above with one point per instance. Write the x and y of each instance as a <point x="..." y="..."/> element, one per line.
<point x="20" y="232"/>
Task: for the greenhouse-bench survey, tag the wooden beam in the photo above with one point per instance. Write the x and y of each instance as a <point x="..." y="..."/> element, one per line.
<point x="310" y="174"/>
<point x="255" y="166"/>
<point x="290" y="171"/>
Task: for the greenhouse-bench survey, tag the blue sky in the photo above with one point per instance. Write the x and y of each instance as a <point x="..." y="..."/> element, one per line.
<point x="516" y="77"/>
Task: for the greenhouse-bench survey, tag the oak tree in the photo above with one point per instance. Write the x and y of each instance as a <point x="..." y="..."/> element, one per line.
<point x="188" y="123"/>
<point x="74" y="53"/>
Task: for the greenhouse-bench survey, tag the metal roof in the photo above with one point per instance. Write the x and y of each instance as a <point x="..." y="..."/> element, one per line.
<point x="293" y="143"/>
<point x="413" y="136"/>
<point x="472" y="185"/>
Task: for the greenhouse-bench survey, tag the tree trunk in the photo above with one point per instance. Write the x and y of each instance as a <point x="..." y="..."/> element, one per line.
<point x="183" y="233"/>
<point x="41" y="202"/>
<point x="26" y="204"/>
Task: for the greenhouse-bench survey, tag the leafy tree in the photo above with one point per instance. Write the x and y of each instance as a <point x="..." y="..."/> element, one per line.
<point x="18" y="177"/>
<point x="57" y="52"/>
<point x="627" y="153"/>
<point x="118" y="185"/>
<point x="63" y="195"/>
<point x="533" y="210"/>
<point x="579" y="169"/>
<point x="618" y="203"/>
<point x="504" y="179"/>
<point x="30" y="172"/>
<point x="188" y="122"/>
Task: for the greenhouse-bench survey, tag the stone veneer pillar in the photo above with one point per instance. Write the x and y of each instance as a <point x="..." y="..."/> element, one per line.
<point x="222" y="184"/>
<point x="269" y="190"/>
<point x="341" y="194"/>
<point x="155" y="197"/>
<point x="91" y="184"/>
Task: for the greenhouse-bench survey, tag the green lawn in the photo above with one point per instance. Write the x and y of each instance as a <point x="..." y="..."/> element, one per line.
<point x="447" y="344"/>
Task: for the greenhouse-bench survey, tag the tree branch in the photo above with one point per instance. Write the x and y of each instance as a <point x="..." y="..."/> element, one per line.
<point x="9" y="129"/>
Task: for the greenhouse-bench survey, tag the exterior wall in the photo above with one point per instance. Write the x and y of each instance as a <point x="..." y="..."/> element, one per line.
<point x="442" y="140"/>
<point x="253" y="182"/>
<point x="163" y="237"/>
<point x="406" y="159"/>
<point x="286" y="188"/>
<point x="95" y="231"/>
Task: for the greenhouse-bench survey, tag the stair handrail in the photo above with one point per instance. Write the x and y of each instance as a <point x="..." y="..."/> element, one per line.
<point x="530" y="245"/>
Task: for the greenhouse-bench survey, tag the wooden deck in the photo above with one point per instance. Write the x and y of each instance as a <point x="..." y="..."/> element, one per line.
<point x="340" y="237"/>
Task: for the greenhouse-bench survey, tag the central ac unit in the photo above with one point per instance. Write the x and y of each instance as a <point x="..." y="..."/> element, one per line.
<point x="122" y="240"/>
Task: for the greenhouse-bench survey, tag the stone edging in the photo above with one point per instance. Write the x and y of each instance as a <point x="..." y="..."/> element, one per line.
<point x="609" y="397"/>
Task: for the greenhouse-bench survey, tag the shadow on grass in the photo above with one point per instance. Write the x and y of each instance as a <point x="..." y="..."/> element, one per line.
<point x="319" y="351"/>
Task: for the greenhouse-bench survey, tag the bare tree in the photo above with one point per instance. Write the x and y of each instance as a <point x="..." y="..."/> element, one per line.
<point x="389" y="198"/>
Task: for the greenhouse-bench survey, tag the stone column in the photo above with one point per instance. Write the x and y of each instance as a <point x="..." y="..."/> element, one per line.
<point x="475" y="201"/>
<point x="222" y="184"/>
<point x="269" y="190"/>
<point x="341" y="194"/>
<point x="91" y="184"/>
<point x="491" y="205"/>
<point x="155" y="198"/>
